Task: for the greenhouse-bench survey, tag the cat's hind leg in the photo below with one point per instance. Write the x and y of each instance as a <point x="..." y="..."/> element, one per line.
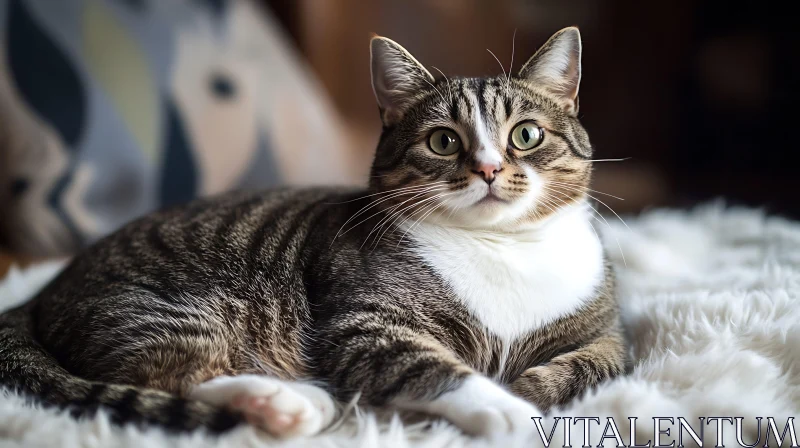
<point x="282" y="408"/>
<point x="178" y="346"/>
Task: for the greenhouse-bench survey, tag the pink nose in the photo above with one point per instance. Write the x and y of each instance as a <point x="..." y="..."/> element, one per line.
<point x="487" y="170"/>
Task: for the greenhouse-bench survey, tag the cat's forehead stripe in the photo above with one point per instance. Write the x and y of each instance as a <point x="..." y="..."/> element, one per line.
<point x="491" y="98"/>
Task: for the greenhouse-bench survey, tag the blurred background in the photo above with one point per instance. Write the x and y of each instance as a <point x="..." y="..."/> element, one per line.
<point x="697" y="94"/>
<point x="112" y="108"/>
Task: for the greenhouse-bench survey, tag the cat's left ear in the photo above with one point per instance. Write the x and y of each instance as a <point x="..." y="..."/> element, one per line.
<point x="397" y="78"/>
<point x="556" y="67"/>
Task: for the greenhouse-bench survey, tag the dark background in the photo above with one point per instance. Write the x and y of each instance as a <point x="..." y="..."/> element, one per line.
<point x="698" y="94"/>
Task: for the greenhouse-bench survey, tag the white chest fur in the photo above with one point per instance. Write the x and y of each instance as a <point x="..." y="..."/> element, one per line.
<point x="516" y="283"/>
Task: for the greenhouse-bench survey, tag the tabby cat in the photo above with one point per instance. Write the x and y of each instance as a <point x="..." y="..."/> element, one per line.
<point x="466" y="282"/>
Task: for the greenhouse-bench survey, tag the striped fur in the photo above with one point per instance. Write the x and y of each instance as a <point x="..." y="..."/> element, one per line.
<point x="329" y="285"/>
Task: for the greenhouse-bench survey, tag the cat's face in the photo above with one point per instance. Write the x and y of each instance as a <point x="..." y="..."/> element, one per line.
<point x="481" y="152"/>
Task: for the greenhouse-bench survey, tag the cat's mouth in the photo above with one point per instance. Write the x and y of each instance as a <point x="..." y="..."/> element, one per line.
<point x="490" y="199"/>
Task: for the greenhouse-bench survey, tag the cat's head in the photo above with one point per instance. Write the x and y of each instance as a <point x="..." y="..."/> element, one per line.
<point x="481" y="152"/>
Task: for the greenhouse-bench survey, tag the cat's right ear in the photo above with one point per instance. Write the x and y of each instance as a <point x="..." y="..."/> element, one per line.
<point x="397" y="78"/>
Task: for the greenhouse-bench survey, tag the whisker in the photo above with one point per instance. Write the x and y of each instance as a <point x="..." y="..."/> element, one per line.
<point x="557" y="198"/>
<point x="615" y="238"/>
<point x="562" y="194"/>
<point x="498" y="61"/>
<point x="389" y="224"/>
<point x="434" y="198"/>
<point x="386" y="192"/>
<point x="375" y="203"/>
<point x="536" y="213"/>
<point x="392" y="213"/>
<point x="422" y="207"/>
<point x="453" y="210"/>
<point x="598" y="239"/>
<point x="449" y="87"/>
<point x="612" y="210"/>
<point x="436" y="89"/>
<point x="608" y="207"/>
<point x="420" y="220"/>
<point x="392" y="194"/>
<point x="424" y="216"/>
<point x="548" y="198"/>
<point x="566" y="184"/>
<point x="511" y="66"/>
<point x="604" y="219"/>
<point x="549" y="204"/>
<point x="608" y="160"/>
<point x="386" y="218"/>
<point x="411" y="216"/>
<point x="431" y="199"/>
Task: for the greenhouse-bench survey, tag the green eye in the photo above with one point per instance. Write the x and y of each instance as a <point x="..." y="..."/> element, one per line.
<point x="527" y="136"/>
<point x="444" y="142"/>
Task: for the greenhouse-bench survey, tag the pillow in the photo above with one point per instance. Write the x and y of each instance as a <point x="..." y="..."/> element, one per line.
<point x="110" y="109"/>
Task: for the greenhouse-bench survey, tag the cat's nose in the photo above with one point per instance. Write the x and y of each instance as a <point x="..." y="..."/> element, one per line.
<point x="487" y="170"/>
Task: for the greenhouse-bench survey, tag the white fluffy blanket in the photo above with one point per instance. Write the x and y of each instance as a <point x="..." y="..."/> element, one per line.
<point x="710" y="298"/>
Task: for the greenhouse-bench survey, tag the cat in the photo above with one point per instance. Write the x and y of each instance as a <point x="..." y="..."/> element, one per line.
<point x="467" y="282"/>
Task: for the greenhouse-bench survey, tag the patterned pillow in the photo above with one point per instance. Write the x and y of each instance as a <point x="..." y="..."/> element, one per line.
<point x="112" y="108"/>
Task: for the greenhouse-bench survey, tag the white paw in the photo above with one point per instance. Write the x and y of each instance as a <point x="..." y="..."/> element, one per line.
<point x="497" y="420"/>
<point x="283" y="409"/>
<point x="483" y="408"/>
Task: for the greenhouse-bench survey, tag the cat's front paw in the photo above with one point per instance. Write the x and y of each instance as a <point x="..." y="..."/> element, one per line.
<point x="483" y="408"/>
<point x="498" y="420"/>
<point x="281" y="408"/>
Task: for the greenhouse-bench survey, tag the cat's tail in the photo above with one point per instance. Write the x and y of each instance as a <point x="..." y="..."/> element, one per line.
<point x="27" y="368"/>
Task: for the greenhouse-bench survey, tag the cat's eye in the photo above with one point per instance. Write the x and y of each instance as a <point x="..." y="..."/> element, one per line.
<point x="444" y="142"/>
<point x="526" y="136"/>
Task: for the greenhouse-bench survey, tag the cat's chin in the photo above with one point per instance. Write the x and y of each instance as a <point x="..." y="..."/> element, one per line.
<point x="489" y="213"/>
<point x="492" y="211"/>
<point x="491" y="200"/>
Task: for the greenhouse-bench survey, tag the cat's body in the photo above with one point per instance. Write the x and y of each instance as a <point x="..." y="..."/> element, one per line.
<point x="226" y="303"/>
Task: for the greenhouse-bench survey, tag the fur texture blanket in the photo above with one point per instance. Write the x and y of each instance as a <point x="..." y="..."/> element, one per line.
<point x="711" y="302"/>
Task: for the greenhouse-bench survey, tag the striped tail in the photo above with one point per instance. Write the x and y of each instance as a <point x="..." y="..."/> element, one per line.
<point x="25" y="367"/>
